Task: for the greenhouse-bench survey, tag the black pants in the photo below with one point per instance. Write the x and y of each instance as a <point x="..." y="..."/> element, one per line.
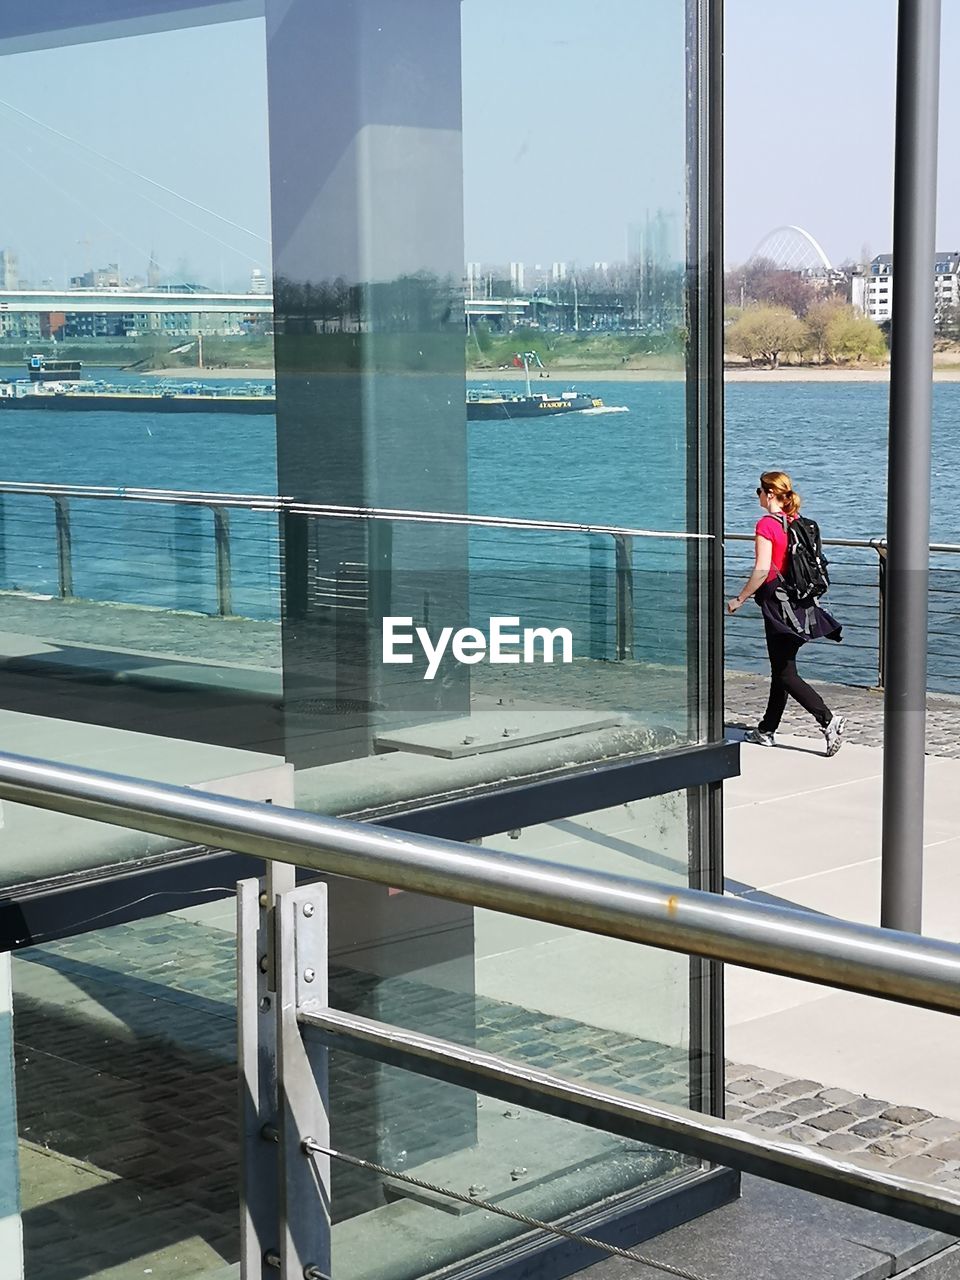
<point x="785" y="681"/>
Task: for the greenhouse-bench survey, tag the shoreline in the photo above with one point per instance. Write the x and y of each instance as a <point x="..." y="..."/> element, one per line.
<point x="788" y="373"/>
<point x="200" y="375"/>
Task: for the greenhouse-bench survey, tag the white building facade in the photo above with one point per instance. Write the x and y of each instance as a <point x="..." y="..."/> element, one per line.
<point x="877" y="294"/>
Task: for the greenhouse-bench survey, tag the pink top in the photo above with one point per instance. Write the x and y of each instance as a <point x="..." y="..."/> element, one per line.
<point x="771" y="528"/>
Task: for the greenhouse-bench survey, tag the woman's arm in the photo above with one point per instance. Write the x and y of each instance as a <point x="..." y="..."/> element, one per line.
<point x="762" y="555"/>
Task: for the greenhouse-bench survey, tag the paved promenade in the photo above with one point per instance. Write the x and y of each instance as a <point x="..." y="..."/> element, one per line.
<point x="746" y="699"/>
<point x="804" y="830"/>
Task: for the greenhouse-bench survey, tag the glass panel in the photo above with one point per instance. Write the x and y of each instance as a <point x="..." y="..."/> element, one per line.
<point x="206" y="636"/>
<point x="588" y="1008"/>
<point x="520" y="1161"/>
<point x="126" y="1099"/>
<point x="109" y="1022"/>
<point x="141" y="609"/>
<point x="521" y="352"/>
<point x="197" y="560"/>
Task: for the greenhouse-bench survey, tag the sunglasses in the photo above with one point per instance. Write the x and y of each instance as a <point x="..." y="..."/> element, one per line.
<point x="759" y="491"/>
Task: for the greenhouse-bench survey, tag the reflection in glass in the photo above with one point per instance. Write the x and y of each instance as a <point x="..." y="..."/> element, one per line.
<point x="449" y="191"/>
<point x="587" y="1008"/>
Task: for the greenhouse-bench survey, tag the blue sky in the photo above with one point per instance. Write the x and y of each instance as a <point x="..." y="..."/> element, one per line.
<point x="809" y="123"/>
<point x="184" y="108"/>
<point x="572" y="131"/>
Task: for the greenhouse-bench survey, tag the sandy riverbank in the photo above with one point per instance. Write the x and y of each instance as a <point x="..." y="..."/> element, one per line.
<point x="816" y="374"/>
<point x="583" y="376"/>
<point x="209" y="375"/>
<point x="786" y="374"/>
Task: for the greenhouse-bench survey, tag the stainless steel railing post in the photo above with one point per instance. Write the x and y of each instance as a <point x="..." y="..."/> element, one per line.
<point x="64" y="549"/>
<point x="624" y="579"/>
<point x="881" y="549"/>
<point x="221" y="540"/>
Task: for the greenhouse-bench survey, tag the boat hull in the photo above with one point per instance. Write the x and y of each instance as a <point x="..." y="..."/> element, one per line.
<point x="508" y="408"/>
<point x="143" y="404"/>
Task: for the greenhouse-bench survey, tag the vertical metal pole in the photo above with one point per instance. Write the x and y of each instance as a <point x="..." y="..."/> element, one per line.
<point x="3" y="541"/>
<point x="257" y="1063"/>
<point x="64" y="548"/>
<point x="305" y="1197"/>
<point x="221" y="539"/>
<point x="908" y="480"/>
<point x="882" y="615"/>
<point x="624" y="580"/>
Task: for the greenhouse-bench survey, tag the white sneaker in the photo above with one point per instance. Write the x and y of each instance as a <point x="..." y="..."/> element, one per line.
<point x="759" y="738"/>
<point x="833" y="734"/>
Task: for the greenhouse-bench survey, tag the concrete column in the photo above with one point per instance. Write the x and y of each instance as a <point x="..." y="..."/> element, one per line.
<point x="366" y="181"/>
<point x="366" y="186"/>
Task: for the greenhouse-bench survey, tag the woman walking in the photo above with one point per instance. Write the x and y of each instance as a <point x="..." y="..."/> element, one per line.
<point x="787" y="626"/>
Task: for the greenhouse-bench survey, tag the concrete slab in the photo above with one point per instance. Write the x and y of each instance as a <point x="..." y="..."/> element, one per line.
<point x="852" y="892"/>
<point x="807" y="829"/>
<point x="795" y="767"/>
<point x="908" y="1056"/>
<point x="749" y="996"/>
<point x="775" y="1233"/>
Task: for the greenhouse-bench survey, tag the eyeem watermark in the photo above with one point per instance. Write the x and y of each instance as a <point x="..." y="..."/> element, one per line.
<point x="506" y="643"/>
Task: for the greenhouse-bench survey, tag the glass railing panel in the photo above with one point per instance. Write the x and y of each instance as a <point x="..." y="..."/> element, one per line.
<point x="587" y="1008"/>
<point x="126" y="1097"/>
<point x="509" y="1157"/>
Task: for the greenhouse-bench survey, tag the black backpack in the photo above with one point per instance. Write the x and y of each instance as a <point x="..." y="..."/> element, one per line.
<point x="804" y="577"/>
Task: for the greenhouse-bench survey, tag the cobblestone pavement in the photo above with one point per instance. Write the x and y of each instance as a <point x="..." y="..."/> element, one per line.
<point x="180" y="634"/>
<point x="126" y="1081"/>
<point x="745" y="697"/>
<point x="880" y="1135"/>
<point x="657" y="694"/>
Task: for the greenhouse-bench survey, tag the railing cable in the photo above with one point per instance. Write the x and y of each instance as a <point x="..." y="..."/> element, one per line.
<point x="313" y="1148"/>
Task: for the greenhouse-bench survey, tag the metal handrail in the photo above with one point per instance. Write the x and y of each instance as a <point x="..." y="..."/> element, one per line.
<point x="867" y="544"/>
<point x="334" y="511"/>
<point x="644" y="1119"/>
<point x="895" y="966"/>
<point x="793" y="943"/>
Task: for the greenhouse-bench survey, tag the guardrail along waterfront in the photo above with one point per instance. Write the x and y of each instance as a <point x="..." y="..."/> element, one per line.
<point x="255" y="555"/>
<point x="858" y="598"/>
<point x="252" y="556"/>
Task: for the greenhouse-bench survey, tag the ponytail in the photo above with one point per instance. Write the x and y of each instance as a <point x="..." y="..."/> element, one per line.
<point x="780" y="485"/>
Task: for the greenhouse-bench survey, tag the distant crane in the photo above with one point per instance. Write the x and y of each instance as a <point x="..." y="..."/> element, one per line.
<point x="177" y="351"/>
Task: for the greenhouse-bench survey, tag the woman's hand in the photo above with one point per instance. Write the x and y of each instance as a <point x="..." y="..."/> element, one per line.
<point x="734" y="604"/>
